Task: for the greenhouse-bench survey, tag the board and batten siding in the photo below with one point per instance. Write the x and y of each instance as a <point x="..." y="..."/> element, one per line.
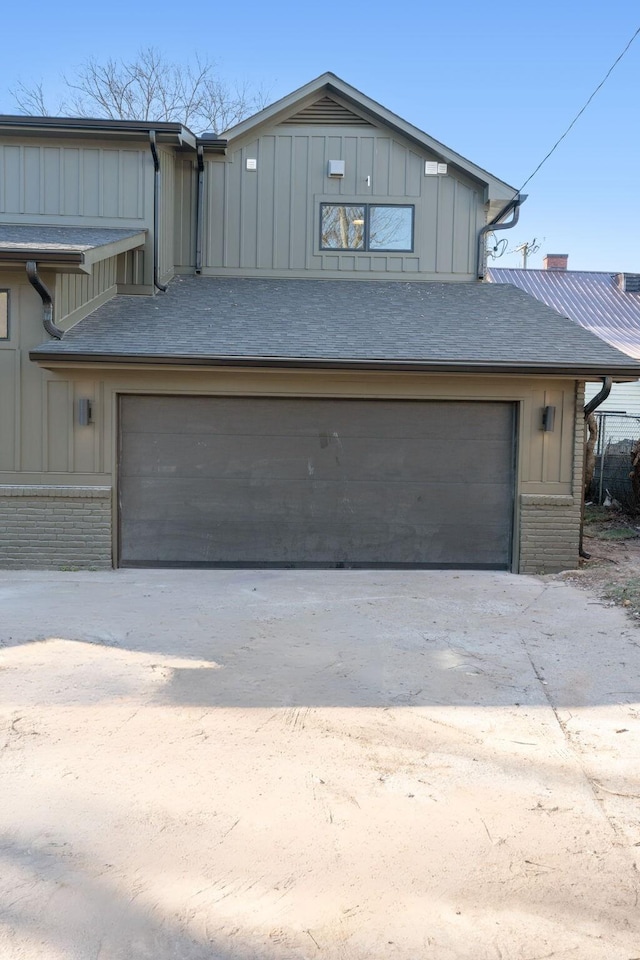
<point x="185" y="198"/>
<point x="166" y="213"/>
<point x="100" y="183"/>
<point x="78" y="294"/>
<point x="40" y="442"/>
<point x="267" y="222"/>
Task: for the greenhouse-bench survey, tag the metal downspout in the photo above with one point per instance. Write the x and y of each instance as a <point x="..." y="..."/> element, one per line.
<point x="47" y="300"/>
<point x="156" y="209"/>
<point x="588" y="410"/>
<point x="199" y="209"/>
<point x="513" y="206"/>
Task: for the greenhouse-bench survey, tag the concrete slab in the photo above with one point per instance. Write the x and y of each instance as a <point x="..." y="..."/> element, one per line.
<point x="335" y="764"/>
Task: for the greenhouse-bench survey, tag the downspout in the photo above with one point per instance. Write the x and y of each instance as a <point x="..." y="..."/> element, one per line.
<point x="156" y="209"/>
<point x="588" y="410"/>
<point x="47" y="300"/>
<point x="199" y="209"/>
<point x="512" y="207"/>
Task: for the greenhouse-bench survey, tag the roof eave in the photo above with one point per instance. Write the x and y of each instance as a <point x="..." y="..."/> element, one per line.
<point x="576" y="372"/>
<point x="72" y="261"/>
<point x="175" y="134"/>
<point x="50" y="258"/>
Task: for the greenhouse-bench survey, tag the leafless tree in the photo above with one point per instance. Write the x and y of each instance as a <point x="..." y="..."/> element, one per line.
<point x="148" y="87"/>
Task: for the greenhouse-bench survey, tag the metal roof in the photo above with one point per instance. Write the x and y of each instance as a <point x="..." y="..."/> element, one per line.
<point x="461" y="327"/>
<point x="589" y="298"/>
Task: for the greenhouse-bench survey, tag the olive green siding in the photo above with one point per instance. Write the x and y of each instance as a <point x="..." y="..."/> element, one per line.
<point x="45" y="180"/>
<point x="38" y="433"/>
<point x="267" y="222"/>
<point x="72" y="184"/>
<point x="77" y="294"/>
<point x="166" y="214"/>
<point x="184" y="222"/>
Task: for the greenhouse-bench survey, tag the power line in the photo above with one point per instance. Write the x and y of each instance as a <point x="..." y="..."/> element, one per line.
<point x="580" y="112"/>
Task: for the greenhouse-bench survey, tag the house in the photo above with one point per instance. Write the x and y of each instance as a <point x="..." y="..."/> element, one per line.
<point x="271" y="346"/>
<point x="607" y="304"/>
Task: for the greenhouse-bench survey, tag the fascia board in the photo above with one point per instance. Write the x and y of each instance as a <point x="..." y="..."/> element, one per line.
<point x="621" y="374"/>
<point x="106" y="250"/>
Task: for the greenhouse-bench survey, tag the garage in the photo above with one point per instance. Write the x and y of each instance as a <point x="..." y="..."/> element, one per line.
<point x="295" y="482"/>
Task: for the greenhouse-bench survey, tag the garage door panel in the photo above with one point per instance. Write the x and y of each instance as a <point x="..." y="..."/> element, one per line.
<point x="324" y="419"/>
<point x="305" y="458"/>
<point x="358" y="501"/>
<point x="350" y="490"/>
<point x="313" y="542"/>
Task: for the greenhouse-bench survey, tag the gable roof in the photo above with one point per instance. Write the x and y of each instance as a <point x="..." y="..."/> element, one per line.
<point x="591" y="299"/>
<point x="445" y="327"/>
<point x="321" y="89"/>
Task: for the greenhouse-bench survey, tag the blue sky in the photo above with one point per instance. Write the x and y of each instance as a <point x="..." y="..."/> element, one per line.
<point x="498" y="83"/>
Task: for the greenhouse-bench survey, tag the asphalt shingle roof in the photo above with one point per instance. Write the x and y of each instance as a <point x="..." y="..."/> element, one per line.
<point x="438" y="325"/>
<point x="58" y="239"/>
<point x="592" y="299"/>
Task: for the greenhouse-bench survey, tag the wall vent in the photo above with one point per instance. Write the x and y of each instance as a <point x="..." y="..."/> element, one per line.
<point x="327" y="112"/>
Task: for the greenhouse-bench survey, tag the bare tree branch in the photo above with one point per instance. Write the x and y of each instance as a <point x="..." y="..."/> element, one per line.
<point x="149" y="87"/>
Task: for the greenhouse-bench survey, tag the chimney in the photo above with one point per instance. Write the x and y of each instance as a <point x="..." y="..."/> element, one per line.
<point x="555" y="261"/>
<point x="628" y="282"/>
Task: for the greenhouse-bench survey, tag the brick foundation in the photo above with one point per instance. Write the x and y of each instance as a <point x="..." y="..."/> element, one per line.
<point x="549" y="533"/>
<point x="52" y="527"/>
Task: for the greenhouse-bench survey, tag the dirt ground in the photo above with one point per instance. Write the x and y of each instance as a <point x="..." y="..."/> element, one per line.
<point x="612" y="572"/>
<point x="346" y="765"/>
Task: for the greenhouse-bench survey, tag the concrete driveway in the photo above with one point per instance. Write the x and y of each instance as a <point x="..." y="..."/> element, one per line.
<point x="316" y="764"/>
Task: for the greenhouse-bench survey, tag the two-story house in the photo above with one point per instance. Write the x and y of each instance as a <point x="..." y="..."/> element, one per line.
<point x="273" y="347"/>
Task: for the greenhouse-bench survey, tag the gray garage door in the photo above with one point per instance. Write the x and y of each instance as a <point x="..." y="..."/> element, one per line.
<point x="295" y="482"/>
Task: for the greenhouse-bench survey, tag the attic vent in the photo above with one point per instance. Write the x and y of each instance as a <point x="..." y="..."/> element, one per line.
<point x="629" y="282"/>
<point x="327" y="111"/>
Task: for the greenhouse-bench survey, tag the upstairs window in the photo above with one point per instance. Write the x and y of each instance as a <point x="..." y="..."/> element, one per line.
<point x="367" y="227"/>
<point x="4" y="314"/>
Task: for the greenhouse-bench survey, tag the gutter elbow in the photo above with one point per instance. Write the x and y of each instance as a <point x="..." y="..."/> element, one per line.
<point x="512" y="207"/>
<point x="599" y="397"/>
<point x="47" y="300"/>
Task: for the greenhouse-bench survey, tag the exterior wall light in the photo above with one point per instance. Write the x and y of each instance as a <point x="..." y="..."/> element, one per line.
<point x="84" y="412"/>
<point x="548" y="419"/>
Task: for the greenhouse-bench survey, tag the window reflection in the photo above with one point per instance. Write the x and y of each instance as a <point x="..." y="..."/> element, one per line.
<point x="390" y="228"/>
<point x="366" y="227"/>
<point x="342" y="227"/>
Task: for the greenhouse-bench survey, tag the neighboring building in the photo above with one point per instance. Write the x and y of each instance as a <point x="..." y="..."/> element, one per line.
<point x="324" y="382"/>
<point x="607" y="304"/>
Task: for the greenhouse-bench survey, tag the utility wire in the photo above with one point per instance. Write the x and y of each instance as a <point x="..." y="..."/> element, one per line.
<point x="580" y="112"/>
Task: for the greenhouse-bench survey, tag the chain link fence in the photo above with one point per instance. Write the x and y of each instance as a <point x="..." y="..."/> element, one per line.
<point x="617" y="435"/>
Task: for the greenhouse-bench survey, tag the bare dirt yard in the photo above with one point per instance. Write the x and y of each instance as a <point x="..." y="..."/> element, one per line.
<point x="342" y="765"/>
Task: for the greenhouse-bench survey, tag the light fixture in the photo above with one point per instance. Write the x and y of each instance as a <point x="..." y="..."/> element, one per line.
<point x="85" y="412"/>
<point x="548" y="419"/>
<point x="358" y="223"/>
